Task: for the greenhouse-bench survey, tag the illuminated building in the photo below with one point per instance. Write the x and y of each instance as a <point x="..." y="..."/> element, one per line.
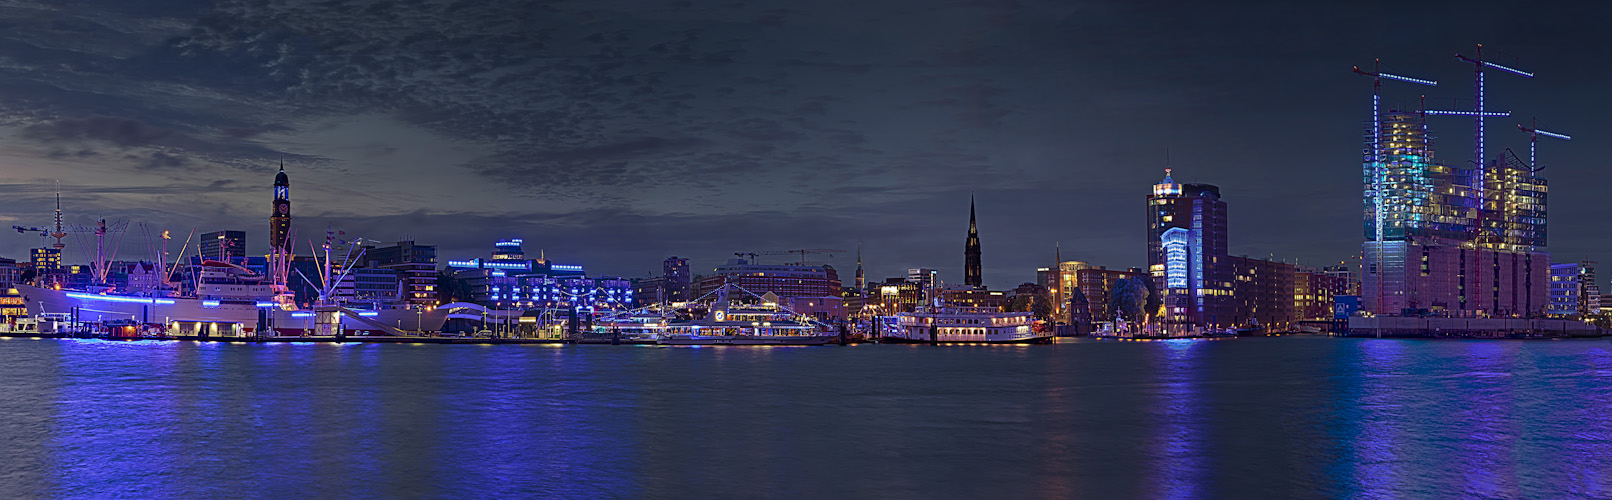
<point x="510" y="281"/>
<point x="928" y="280"/>
<point x="46" y="260"/>
<point x="676" y="280"/>
<point x="1316" y="291"/>
<point x="971" y="251"/>
<point x="1573" y="292"/>
<point x="1096" y="285"/>
<point x="1263" y="293"/>
<point x="974" y="297"/>
<point x="818" y="286"/>
<point x="508" y="250"/>
<point x="1443" y="252"/>
<point x="1421" y="197"/>
<point x="415" y="265"/>
<point x="280" y="217"/>
<point x="1187" y="252"/>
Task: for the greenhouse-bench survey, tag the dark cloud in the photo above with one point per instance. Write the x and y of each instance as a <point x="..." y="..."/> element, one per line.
<point x="704" y="128"/>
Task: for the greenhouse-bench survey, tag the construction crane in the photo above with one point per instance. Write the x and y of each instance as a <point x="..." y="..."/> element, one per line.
<point x="1533" y="142"/>
<point x="803" y="252"/>
<point x="1378" y="158"/>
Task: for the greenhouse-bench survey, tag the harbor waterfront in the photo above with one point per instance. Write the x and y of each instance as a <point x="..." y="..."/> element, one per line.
<point x="1298" y="416"/>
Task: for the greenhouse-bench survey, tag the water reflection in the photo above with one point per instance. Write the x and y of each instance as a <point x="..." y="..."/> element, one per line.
<point x="1177" y="468"/>
<point x="1339" y="418"/>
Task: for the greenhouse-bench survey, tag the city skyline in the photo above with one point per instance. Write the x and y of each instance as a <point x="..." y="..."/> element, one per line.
<point x="615" y="137"/>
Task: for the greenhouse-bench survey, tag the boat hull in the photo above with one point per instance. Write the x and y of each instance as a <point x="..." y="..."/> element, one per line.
<point x="223" y="319"/>
<point x="746" y="340"/>
<point x="1026" y="340"/>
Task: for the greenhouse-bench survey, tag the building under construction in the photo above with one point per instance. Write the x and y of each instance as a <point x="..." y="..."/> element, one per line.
<point x="1447" y="240"/>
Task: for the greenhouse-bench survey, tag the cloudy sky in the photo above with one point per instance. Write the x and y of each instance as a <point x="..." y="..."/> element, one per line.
<point x="614" y="134"/>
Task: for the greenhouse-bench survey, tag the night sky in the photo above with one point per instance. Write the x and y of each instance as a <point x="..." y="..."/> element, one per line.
<point x="615" y="134"/>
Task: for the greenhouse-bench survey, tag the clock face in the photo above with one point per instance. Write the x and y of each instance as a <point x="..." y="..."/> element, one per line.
<point x="283" y="209"/>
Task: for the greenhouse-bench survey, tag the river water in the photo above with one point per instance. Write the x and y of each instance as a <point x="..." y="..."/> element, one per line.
<point x="1293" y="417"/>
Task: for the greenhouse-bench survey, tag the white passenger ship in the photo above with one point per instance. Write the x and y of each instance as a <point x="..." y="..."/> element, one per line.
<point x="964" y="325"/>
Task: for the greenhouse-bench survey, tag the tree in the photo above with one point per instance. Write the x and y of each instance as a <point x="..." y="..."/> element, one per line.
<point x="1035" y="303"/>
<point x="1155" y="300"/>
<point x="1128" y="298"/>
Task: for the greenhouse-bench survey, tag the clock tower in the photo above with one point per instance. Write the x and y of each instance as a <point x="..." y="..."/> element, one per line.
<point x="280" y="219"/>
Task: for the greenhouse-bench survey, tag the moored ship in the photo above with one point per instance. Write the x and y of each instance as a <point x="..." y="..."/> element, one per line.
<point x="963" y="325"/>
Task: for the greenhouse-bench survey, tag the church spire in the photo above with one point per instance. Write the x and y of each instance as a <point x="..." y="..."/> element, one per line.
<point x="971" y="250"/>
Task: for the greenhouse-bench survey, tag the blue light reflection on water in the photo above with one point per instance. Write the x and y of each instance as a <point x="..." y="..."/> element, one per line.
<point x="1246" y="418"/>
<point x="1178" y="471"/>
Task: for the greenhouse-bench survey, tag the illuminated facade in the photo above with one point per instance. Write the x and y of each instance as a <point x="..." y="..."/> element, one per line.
<point x="1421" y="198"/>
<point x="1448" y="248"/>
<point x="1095" y="286"/>
<point x="1187" y="252"/>
<point x="1573" y="292"/>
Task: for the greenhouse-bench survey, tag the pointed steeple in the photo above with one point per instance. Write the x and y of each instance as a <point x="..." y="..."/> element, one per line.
<point x="861" y="281"/>
<point x="971" y="250"/>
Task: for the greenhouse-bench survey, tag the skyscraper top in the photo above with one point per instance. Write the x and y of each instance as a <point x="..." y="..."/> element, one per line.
<point x="1167" y="187"/>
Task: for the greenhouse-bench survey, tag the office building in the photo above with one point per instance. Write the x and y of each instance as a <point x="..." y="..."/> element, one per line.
<point x="1187" y="253"/>
<point x="415" y="265"/>
<point x="1573" y="292"/>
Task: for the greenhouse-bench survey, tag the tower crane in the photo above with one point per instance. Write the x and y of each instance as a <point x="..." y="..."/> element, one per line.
<point x="1378" y="158"/>
<point x="1533" y="142"/>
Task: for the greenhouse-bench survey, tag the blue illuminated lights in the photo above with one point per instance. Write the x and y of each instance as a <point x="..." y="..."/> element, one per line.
<point x="1175" y="243"/>
<point x="266" y="304"/>
<point x="1553" y="134"/>
<point x="565" y="267"/>
<point x="302" y="315"/>
<point x="1512" y="70"/>
<point x="1443" y="112"/>
<point x="369" y="314"/>
<point x="209" y="303"/>
<point x="1408" y="79"/>
<point x="116" y="298"/>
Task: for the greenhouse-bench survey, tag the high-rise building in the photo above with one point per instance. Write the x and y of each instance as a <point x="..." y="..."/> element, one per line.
<point x="1187" y="252"/>
<point x="1421" y="198"/>
<point x="280" y="218"/>
<point x="676" y="282"/>
<point x="971" y="251"/>
<point x="224" y="246"/>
